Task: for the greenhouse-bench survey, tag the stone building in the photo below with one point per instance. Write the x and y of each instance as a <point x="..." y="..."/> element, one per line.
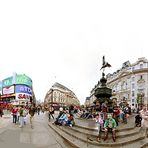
<point x="129" y="84"/>
<point x="59" y="95"/>
<point x="87" y="102"/>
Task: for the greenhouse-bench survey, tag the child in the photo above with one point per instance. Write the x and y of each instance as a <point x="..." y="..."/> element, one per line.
<point x="99" y="121"/>
<point x="110" y="124"/>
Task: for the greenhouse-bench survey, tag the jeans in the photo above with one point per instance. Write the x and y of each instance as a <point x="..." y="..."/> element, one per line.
<point x="14" y="118"/>
<point x="21" y="121"/>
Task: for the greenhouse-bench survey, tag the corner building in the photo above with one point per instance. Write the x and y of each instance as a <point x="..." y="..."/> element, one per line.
<point x="130" y="83"/>
<point x="59" y="95"/>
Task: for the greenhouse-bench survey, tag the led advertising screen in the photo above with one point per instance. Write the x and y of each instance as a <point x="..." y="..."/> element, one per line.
<point x="19" y="79"/>
<point x="23" y="89"/>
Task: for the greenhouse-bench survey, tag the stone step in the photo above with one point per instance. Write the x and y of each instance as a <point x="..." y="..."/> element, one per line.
<point x="94" y="133"/>
<point x="144" y="143"/>
<point x="94" y="127"/>
<point x="75" y="142"/>
<point x="108" y="143"/>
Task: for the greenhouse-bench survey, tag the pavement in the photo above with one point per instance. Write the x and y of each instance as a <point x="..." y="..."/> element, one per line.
<point x="40" y="136"/>
<point x="79" y="139"/>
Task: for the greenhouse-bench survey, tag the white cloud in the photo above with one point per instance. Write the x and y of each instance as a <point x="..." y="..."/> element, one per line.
<point x="67" y="39"/>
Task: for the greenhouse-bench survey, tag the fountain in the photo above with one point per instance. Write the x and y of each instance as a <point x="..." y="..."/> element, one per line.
<point x="102" y="92"/>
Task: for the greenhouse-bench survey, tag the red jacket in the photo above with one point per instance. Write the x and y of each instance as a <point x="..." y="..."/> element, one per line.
<point x="14" y="111"/>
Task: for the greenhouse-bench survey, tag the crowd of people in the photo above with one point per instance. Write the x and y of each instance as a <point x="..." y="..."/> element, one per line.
<point x="65" y="116"/>
<point x="20" y="113"/>
<point x="120" y="114"/>
<point x="106" y="121"/>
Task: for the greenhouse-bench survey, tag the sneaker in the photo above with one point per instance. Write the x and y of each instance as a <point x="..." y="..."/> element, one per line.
<point x="98" y="139"/>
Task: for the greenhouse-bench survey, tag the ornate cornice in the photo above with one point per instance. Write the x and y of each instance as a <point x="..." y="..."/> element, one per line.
<point x="140" y="60"/>
<point x="125" y="74"/>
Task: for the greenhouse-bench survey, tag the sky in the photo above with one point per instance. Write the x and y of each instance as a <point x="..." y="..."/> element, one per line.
<point x="64" y="41"/>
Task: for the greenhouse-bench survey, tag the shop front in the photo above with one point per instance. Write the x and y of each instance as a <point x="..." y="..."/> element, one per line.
<point x="8" y="95"/>
<point x="5" y="100"/>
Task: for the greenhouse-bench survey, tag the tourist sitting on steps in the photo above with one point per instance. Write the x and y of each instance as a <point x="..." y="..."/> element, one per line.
<point x="144" y="115"/>
<point x="70" y="121"/>
<point x="110" y="125"/>
<point x="62" y="119"/>
<point x="138" y="120"/>
<point x="127" y="113"/>
<point x="100" y="123"/>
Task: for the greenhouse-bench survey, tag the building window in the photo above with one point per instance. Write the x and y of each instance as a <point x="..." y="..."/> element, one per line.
<point x="133" y="93"/>
<point x="133" y="100"/>
<point x="133" y="79"/>
<point x="126" y="85"/>
<point x="133" y="86"/>
<point x="141" y="66"/>
<point x="54" y="99"/>
<point x="133" y="68"/>
<point x="55" y="95"/>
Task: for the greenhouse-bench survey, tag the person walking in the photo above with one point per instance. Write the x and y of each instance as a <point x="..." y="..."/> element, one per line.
<point x="1" y="112"/>
<point x="14" y="113"/>
<point x="31" y="113"/>
<point x="21" y="116"/>
<point x="38" y="110"/>
<point x="51" y="112"/>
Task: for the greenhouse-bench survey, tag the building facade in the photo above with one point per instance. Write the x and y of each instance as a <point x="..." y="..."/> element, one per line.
<point x="129" y="84"/>
<point x="87" y="102"/>
<point x="59" y="95"/>
<point x="16" y="90"/>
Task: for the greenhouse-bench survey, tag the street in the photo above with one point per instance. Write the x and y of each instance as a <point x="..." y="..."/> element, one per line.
<point x="38" y="136"/>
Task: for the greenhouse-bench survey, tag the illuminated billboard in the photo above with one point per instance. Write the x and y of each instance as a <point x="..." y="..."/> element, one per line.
<point x="23" y="89"/>
<point x="19" y="79"/>
<point x="8" y="90"/>
<point x="23" y="79"/>
<point x="7" y="82"/>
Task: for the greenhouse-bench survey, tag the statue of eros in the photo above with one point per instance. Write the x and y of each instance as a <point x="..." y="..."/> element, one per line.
<point x="104" y="64"/>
